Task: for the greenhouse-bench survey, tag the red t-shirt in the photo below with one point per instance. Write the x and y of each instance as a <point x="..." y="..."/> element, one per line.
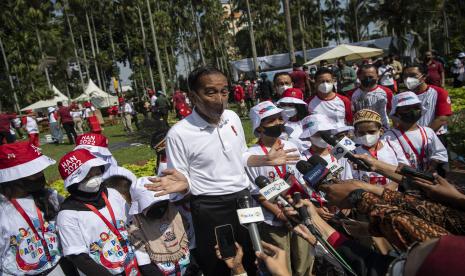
<point x="435" y="69"/>
<point x="298" y="78"/>
<point x="238" y="93"/>
<point x="178" y="100"/>
<point x="65" y="115"/>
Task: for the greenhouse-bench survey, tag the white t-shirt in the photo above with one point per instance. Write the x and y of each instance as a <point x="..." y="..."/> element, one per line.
<point x="292" y="132"/>
<point x="271" y="173"/>
<point x="76" y="114"/>
<point x="52" y="117"/>
<point x="386" y="79"/>
<point x="433" y="148"/>
<point x="31" y="125"/>
<point x="21" y="253"/>
<point x="378" y="99"/>
<point x="337" y="109"/>
<point x="88" y="111"/>
<point x="385" y="154"/>
<point x="84" y="232"/>
<point x="153" y="100"/>
<point x="436" y="102"/>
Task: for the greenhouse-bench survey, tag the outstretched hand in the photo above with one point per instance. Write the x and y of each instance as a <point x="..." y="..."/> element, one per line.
<point x="278" y="156"/>
<point x="441" y="190"/>
<point x="172" y="181"/>
<point x="274" y="259"/>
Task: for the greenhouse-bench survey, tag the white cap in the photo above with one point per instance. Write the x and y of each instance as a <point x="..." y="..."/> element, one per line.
<point x="261" y="111"/>
<point x="51" y="109"/>
<point x="341" y="128"/>
<point x="461" y="55"/>
<point x="315" y="123"/>
<point x="404" y="99"/>
<point x="141" y="197"/>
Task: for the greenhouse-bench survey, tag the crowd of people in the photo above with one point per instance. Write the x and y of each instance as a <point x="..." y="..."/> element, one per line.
<point x="362" y="163"/>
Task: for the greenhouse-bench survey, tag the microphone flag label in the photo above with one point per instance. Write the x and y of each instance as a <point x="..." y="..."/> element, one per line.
<point x="249" y="215"/>
<point x="342" y="147"/>
<point x="275" y="188"/>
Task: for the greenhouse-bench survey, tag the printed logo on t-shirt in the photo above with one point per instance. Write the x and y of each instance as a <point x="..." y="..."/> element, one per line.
<point x="108" y="251"/>
<point x="27" y="253"/>
<point x="169" y="268"/>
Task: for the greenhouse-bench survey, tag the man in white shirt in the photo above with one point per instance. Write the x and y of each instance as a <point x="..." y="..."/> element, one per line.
<point x="126" y="115"/>
<point x="386" y="74"/>
<point x="207" y="154"/>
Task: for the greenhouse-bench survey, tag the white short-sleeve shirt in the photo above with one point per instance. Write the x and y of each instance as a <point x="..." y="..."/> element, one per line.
<point x="84" y="232"/>
<point x="211" y="157"/>
<point x="20" y="252"/>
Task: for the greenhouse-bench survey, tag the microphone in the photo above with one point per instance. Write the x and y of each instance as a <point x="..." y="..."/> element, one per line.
<point x="409" y="172"/>
<point x="272" y="191"/>
<point x="314" y="170"/>
<point x="343" y="148"/>
<point x="249" y="216"/>
<point x="303" y="212"/>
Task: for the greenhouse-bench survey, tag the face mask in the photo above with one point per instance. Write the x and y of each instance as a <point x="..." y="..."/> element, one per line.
<point x="368" y="140"/>
<point x="213" y="111"/>
<point x="326" y="87"/>
<point x="411" y="116"/>
<point x="412" y="83"/>
<point x="283" y="88"/>
<point x="35" y="185"/>
<point x="368" y="82"/>
<point x="317" y="141"/>
<point x="288" y="112"/>
<point x="92" y="185"/>
<point x="273" y="131"/>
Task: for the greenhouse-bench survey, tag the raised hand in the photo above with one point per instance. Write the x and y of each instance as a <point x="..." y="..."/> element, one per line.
<point x="172" y="181"/>
<point x="279" y="156"/>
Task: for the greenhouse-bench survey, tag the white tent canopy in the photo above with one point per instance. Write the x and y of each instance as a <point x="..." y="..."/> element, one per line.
<point x="97" y="96"/>
<point x="58" y="97"/>
<point x="349" y="52"/>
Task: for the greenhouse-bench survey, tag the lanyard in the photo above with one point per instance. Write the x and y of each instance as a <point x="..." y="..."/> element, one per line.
<point x="31" y="225"/>
<point x="419" y="156"/>
<point x="280" y="172"/>
<point x="373" y="153"/>
<point x="109" y="224"/>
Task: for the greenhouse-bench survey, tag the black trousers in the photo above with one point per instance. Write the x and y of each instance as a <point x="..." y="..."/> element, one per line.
<point x="70" y="132"/>
<point x="209" y="212"/>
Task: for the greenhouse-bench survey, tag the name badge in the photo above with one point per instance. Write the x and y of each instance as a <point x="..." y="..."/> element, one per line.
<point x="249" y="215"/>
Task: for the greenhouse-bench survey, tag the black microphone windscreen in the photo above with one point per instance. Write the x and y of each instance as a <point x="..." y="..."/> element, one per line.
<point x="303" y="166"/>
<point x="328" y="137"/>
<point x="261" y="181"/>
<point x="316" y="159"/>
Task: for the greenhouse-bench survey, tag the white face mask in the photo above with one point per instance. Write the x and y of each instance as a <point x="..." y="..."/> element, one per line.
<point x="288" y="112"/>
<point x="92" y="185"/>
<point x="283" y="88"/>
<point x="412" y="83"/>
<point x="326" y="87"/>
<point x="317" y="141"/>
<point x="367" y="140"/>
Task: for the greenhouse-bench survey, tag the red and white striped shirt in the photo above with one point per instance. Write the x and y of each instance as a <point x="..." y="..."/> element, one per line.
<point x="337" y="108"/>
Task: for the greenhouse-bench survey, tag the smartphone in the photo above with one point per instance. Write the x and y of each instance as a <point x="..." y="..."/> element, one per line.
<point x="225" y="240"/>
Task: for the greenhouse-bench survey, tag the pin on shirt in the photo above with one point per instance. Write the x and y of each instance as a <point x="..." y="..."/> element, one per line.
<point x="234" y="130"/>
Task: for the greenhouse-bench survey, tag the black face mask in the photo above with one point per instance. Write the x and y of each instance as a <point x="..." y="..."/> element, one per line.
<point x="410" y="117"/>
<point x="368" y="82"/>
<point x="35" y="185"/>
<point x="273" y="131"/>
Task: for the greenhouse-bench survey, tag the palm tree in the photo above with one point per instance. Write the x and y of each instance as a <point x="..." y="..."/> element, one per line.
<point x="290" y="39"/>
<point x="157" y="53"/>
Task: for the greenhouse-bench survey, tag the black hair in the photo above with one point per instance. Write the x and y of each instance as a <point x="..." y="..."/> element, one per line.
<point x="323" y="70"/>
<point x="366" y="67"/>
<point x="296" y="65"/>
<point x="120" y="183"/>
<point x="277" y="75"/>
<point x="59" y="103"/>
<point x="302" y="111"/>
<point x="421" y="67"/>
<point x="41" y="198"/>
<point x="194" y="76"/>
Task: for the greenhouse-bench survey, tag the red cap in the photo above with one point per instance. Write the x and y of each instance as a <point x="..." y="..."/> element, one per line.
<point x="293" y="93"/>
<point x="75" y="165"/>
<point x="92" y="139"/>
<point x="121" y="100"/>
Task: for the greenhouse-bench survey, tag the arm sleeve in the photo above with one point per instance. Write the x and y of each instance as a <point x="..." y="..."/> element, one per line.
<point x="389" y="99"/>
<point x="443" y="103"/>
<point x="86" y="265"/>
<point x="437" y="149"/>
<point x="72" y="240"/>
<point x="348" y="109"/>
<point x="176" y="155"/>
